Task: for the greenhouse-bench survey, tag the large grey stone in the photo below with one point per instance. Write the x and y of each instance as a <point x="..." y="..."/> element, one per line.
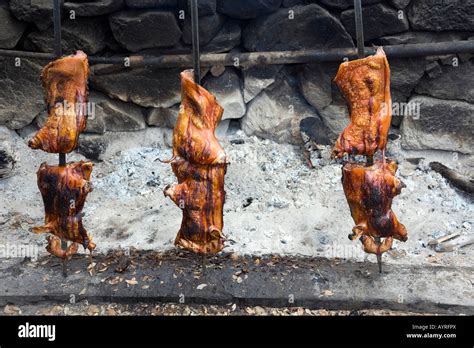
<point x="226" y="39"/>
<point x="315" y="83"/>
<point x="291" y="3"/>
<point x="405" y="73"/>
<point x="276" y="113"/>
<point x="205" y="7"/>
<point x="246" y="9"/>
<point x="257" y="78"/>
<point x="117" y="115"/>
<point x="7" y="152"/>
<point x="39" y="12"/>
<point x="163" y="117"/>
<point x="315" y="130"/>
<point x="343" y="4"/>
<point x="412" y="37"/>
<point x="136" y="30"/>
<point x="227" y="90"/>
<point x="442" y="125"/>
<point x="21" y="94"/>
<point x="144" y="87"/>
<point x="400" y="4"/>
<point x="91" y="8"/>
<point x="86" y="34"/>
<point x="455" y="82"/>
<point x="151" y="3"/>
<point x="379" y="20"/>
<point x="442" y="15"/>
<point x="11" y="29"/>
<point x="336" y="118"/>
<point x="209" y="26"/>
<point x="308" y="27"/>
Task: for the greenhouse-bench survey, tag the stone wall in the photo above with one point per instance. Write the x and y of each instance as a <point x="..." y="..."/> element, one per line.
<point x="268" y="101"/>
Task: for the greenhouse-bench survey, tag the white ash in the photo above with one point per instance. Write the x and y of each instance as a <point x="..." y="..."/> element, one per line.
<point x="275" y="204"/>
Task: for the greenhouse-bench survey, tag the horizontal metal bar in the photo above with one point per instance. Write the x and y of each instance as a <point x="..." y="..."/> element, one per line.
<point x="265" y="58"/>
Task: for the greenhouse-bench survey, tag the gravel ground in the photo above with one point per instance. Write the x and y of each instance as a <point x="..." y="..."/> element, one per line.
<point x="275" y="203"/>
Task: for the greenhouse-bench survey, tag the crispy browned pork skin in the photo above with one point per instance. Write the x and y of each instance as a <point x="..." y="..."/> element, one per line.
<point x="64" y="190"/>
<point x="369" y="192"/>
<point x="365" y="84"/>
<point x="65" y="83"/>
<point x="199" y="163"/>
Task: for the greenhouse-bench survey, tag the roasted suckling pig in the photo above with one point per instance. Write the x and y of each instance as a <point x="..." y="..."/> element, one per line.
<point x="64" y="190"/>
<point x="199" y="162"/>
<point x="365" y="84"/>
<point x="65" y="83"/>
<point x="369" y="192"/>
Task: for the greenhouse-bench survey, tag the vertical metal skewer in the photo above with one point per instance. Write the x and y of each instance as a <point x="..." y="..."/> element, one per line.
<point x="195" y="41"/>
<point x="359" y="23"/>
<point x="196" y="68"/>
<point x="58" y="53"/>
<point x="379" y="256"/>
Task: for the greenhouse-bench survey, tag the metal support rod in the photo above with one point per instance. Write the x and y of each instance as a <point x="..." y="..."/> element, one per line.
<point x="359" y="24"/>
<point x="58" y="52"/>
<point x="57" y="28"/>
<point x="64" y="263"/>
<point x="195" y="41"/>
<point x="267" y="58"/>
<point x="378" y="241"/>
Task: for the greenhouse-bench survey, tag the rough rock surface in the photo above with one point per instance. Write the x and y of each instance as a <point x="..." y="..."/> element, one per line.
<point x="400" y="4"/>
<point x="455" y="82"/>
<point x="315" y="83"/>
<point x="311" y="27"/>
<point x="228" y="92"/>
<point x="314" y="129"/>
<point x="86" y="34"/>
<point x="379" y="20"/>
<point x="276" y="113"/>
<point x="11" y="29"/>
<point x="226" y="39"/>
<point x="205" y="7"/>
<point x="257" y="78"/>
<point x="343" y="4"/>
<point x="144" y="87"/>
<point x="336" y="117"/>
<point x="7" y="152"/>
<point x="39" y="12"/>
<point x="91" y="8"/>
<point x="412" y="37"/>
<point x="21" y="94"/>
<point x="442" y="15"/>
<point x="209" y="26"/>
<point x="162" y="117"/>
<point x="137" y="30"/>
<point x="442" y="124"/>
<point x="246" y="9"/>
<point x="405" y="73"/>
<point x="151" y="3"/>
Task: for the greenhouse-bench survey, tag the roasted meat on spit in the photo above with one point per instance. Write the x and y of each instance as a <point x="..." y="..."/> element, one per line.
<point x="199" y="163"/>
<point x="365" y="84"/>
<point x="65" y="82"/>
<point x="369" y="192"/>
<point x="64" y="190"/>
